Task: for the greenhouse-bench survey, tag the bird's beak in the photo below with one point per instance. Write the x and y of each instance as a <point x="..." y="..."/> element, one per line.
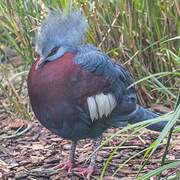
<point x="40" y="63"/>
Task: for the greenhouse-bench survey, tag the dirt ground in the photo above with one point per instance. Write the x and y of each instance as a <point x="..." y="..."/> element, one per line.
<point x="35" y="153"/>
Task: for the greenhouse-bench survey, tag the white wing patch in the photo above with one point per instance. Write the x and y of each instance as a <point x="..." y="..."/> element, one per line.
<point x="92" y="108"/>
<point x="100" y="105"/>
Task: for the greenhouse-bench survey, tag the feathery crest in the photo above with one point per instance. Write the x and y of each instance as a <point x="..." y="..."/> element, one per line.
<point x="59" y="29"/>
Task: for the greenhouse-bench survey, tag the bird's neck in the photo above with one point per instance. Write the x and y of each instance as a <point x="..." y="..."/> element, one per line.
<point x="69" y="49"/>
<point x="63" y="50"/>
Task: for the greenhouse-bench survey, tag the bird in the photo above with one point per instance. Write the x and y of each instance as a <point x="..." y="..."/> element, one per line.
<point x="76" y="90"/>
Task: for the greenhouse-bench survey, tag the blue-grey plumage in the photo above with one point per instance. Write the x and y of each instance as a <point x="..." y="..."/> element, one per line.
<point x="127" y="110"/>
<point x="77" y="91"/>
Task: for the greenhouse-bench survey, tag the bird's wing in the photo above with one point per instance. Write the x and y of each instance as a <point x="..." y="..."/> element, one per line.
<point x="97" y="62"/>
<point x="102" y="82"/>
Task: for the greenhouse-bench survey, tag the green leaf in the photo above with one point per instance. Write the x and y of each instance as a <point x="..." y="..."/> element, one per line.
<point x="159" y="170"/>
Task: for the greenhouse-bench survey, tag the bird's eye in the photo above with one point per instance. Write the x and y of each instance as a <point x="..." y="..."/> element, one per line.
<point x="53" y="51"/>
<point x="36" y="55"/>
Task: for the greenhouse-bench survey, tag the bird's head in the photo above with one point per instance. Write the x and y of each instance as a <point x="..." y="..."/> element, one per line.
<point x="58" y="34"/>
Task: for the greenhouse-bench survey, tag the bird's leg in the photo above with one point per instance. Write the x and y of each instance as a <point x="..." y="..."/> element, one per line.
<point x="70" y="163"/>
<point x="96" y="143"/>
<point x="88" y="171"/>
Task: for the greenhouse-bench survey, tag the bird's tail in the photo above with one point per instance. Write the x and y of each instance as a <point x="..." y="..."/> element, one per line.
<point x="141" y="114"/>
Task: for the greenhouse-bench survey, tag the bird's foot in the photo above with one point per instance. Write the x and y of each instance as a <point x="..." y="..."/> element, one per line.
<point x="84" y="171"/>
<point x="68" y="166"/>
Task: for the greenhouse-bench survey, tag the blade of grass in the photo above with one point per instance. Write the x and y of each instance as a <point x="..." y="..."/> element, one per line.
<point x="159" y="170"/>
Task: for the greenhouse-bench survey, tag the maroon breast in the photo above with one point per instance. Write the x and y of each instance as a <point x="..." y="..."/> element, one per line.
<point x="56" y="90"/>
<point x="49" y="89"/>
<point x="52" y="79"/>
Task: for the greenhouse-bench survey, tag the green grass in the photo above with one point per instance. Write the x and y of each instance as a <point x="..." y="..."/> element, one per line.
<point x="143" y="35"/>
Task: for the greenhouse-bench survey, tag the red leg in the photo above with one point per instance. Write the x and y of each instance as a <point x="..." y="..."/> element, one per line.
<point x="70" y="163"/>
<point x="84" y="171"/>
<point x="66" y="166"/>
<point x="88" y="171"/>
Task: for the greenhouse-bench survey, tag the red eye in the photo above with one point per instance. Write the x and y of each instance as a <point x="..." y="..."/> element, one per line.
<point x="53" y="51"/>
<point x="36" y="56"/>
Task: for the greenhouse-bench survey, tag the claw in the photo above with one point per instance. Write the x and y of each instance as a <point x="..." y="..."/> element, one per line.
<point x="65" y="166"/>
<point x="85" y="172"/>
